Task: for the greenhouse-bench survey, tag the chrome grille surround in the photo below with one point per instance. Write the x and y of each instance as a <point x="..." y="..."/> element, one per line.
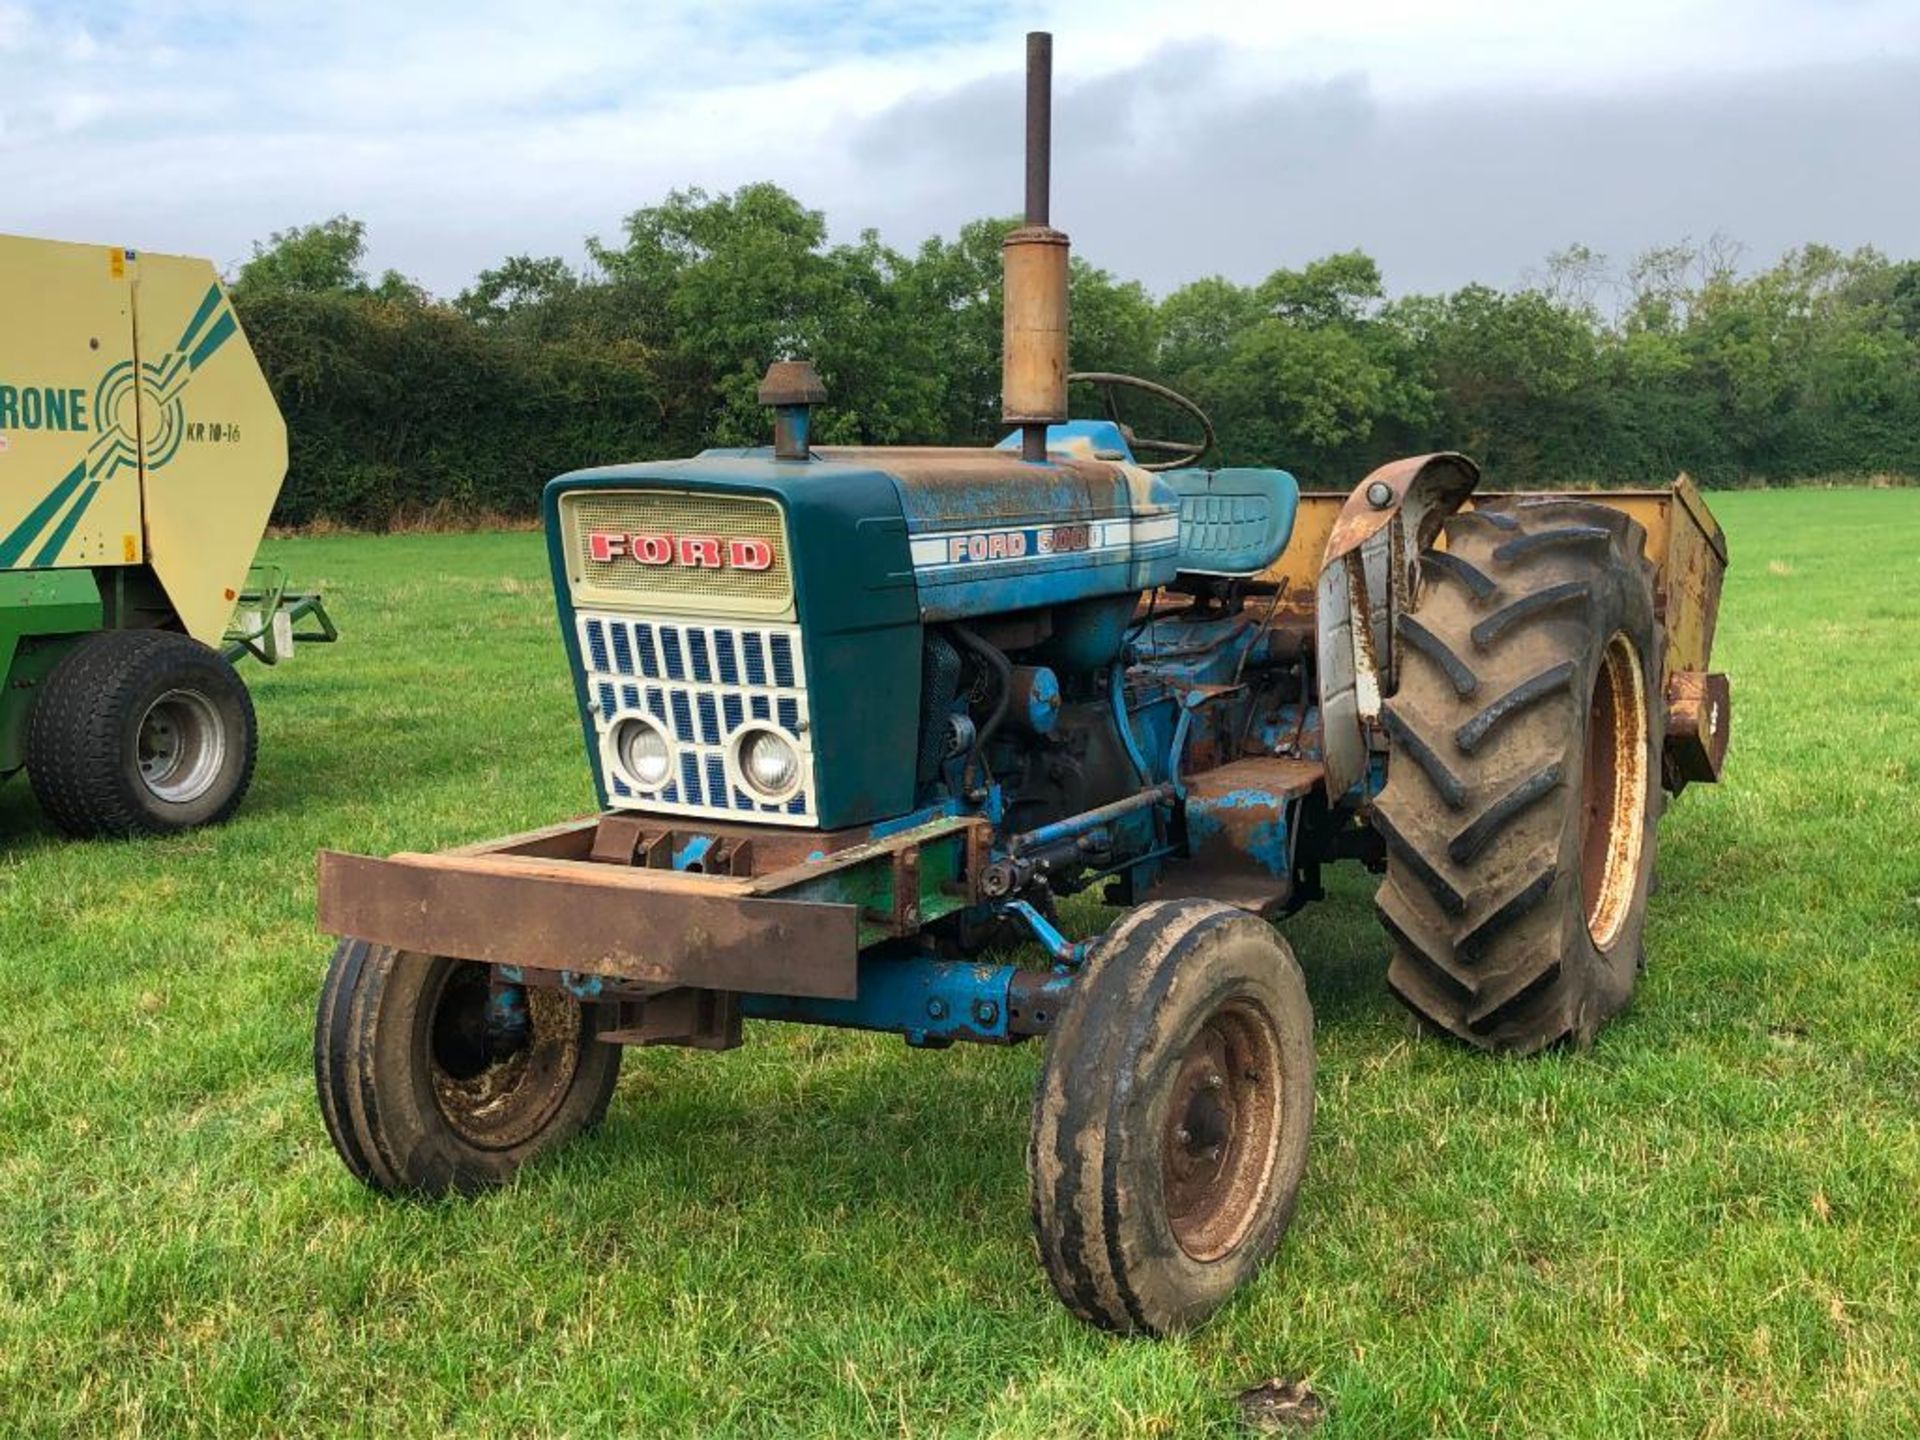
<point x="702" y="682"/>
<point x="621" y="583"/>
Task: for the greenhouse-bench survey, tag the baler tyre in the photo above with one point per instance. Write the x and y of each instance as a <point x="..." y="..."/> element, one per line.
<point x="141" y="732"/>
<point x="420" y="1094"/>
<point x="1520" y="804"/>
<point x="1171" y="1119"/>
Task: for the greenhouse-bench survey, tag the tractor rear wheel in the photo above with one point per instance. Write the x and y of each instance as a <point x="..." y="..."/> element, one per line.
<point x="1171" y="1119"/>
<point x="428" y="1086"/>
<point x="141" y="732"/>
<point x="1520" y="804"/>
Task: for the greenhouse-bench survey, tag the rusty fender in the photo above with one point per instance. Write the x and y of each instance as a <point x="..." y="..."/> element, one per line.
<point x="1367" y="576"/>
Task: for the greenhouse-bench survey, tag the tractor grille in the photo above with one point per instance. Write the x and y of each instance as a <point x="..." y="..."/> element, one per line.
<point x="701" y="682"/>
<point x="675" y="515"/>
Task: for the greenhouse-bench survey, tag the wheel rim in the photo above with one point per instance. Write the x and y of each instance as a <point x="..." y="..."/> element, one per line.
<point x="1615" y="820"/>
<point x="1223" y="1130"/>
<point x="498" y="1088"/>
<point x="182" y="746"/>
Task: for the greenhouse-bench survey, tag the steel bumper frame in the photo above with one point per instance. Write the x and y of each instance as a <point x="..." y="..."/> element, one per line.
<point x="549" y="901"/>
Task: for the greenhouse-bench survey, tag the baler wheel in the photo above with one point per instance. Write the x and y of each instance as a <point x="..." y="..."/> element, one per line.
<point x="1171" y="1119"/>
<point x="425" y="1089"/>
<point x="141" y="732"/>
<point x="1523" y="788"/>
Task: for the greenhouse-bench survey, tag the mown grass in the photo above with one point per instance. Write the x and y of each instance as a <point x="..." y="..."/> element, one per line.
<point x="1705" y="1226"/>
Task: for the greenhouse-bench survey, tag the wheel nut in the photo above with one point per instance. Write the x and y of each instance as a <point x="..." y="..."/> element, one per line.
<point x="1214" y="1082"/>
<point x="1183" y="1135"/>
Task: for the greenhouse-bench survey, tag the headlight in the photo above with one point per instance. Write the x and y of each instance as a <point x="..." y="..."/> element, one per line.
<point x="768" y="763"/>
<point x="645" y="752"/>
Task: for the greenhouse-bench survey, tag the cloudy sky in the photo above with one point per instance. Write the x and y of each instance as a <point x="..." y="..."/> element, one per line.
<point x="1455" y="140"/>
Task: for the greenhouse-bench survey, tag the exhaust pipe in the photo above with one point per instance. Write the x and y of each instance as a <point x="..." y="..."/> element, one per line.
<point x="1033" y="365"/>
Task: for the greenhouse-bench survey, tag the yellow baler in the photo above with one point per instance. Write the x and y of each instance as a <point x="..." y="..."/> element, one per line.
<point x="141" y="452"/>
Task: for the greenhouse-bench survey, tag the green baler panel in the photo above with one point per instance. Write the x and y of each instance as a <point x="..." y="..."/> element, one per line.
<point x="37" y="606"/>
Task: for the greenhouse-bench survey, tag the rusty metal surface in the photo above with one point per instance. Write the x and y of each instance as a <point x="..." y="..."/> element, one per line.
<point x="1691" y="573"/>
<point x="806" y="871"/>
<point x="1035" y="999"/>
<point x="739" y="849"/>
<point x="569" y="840"/>
<point x="980" y="472"/>
<point x="1239" y="829"/>
<point x="791" y="382"/>
<point x="903" y="910"/>
<point x="1039" y="127"/>
<point x="595" y="919"/>
<point x="1684" y="541"/>
<point x="1222" y="1127"/>
<point x="1614" y="795"/>
<point x="1689" y="554"/>
<point x="1652" y="508"/>
<point x="1420" y="491"/>
<point x="1370" y="574"/>
<point x="1298" y="567"/>
<point x="1033" y="259"/>
<point x="618" y="839"/>
<point x="696" y="1019"/>
<point x="1699" y="727"/>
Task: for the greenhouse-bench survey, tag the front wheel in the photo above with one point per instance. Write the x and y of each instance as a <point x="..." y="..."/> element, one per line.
<point x="431" y="1080"/>
<point x="1171" y="1120"/>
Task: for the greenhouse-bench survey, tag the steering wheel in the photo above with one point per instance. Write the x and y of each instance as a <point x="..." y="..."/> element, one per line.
<point x="1179" y="453"/>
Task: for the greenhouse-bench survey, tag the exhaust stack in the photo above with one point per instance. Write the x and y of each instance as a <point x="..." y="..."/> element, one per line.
<point x="1033" y="366"/>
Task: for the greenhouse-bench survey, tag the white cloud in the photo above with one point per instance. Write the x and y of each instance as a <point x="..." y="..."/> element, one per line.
<point x="466" y="131"/>
<point x="15" y="25"/>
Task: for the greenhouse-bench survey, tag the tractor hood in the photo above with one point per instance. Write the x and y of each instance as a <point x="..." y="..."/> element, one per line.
<point x="990" y="533"/>
<point x="846" y="555"/>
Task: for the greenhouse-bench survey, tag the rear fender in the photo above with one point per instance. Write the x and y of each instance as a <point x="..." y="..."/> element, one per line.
<point x="1367" y="578"/>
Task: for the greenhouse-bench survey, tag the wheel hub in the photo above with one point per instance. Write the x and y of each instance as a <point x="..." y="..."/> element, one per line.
<point x="497" y="1084"/>
<point x="1614" y="821"/>
<point x="182" y="746"/>
<point x="1222" y="1129"/>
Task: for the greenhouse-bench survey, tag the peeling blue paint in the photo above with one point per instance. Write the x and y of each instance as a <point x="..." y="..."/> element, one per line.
<point x="929" y="1002"/>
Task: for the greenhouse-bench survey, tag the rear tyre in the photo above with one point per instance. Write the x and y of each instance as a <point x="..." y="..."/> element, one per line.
<point x="1171" y="1120"/>
<point x="1520" y="805"/>
<point x="141" y="732"/>
<point x="422" y="1088"/>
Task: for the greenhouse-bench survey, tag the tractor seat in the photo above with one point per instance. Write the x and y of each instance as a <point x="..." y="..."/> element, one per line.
<point x="1235" y="521"/>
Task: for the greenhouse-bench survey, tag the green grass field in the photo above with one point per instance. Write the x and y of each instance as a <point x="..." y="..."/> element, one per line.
<point x="1708" y="1225"/>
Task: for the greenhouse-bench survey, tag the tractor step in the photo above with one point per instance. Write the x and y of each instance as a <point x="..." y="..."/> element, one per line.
<point x="1242" y="827"/>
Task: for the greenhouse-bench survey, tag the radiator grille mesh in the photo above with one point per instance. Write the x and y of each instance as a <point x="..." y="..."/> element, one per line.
<point x="702" y="682"/>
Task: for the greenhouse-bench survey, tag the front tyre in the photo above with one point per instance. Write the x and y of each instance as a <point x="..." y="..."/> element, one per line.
<point x="141" y="732"/>
<point x="1171" y="1120"/>
<point x="427" y="1087"/>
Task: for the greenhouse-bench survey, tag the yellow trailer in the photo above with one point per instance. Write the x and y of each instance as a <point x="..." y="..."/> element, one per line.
<point x="141" y="453"/>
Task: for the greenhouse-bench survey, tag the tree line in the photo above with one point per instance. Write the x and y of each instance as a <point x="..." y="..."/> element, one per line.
<point x="402" y="405"/>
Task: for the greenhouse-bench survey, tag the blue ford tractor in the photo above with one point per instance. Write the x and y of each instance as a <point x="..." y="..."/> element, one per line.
<point x="859" y="717"/>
